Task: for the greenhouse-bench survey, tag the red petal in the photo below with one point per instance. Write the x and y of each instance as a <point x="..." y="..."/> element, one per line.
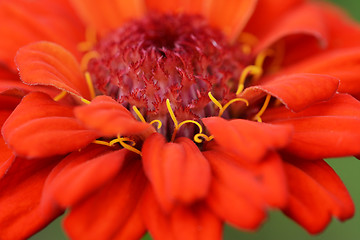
<point x="109" y="14"/>
<point x="187" y="6"/>
<point x="172" y="169"/>
<point x="109" y="117"/>
<point x="302" y="20"/>
<point x="240" y="194"/>
<point x="342" y="64"/>
<point x="41" y="127"/>
<point x="268" y="13"/>
<point x="317" y="193"/>
<point x="113" y="211"/>
<point x="20" y="195"/>
<point x="231" y="16"/>
<point x="247" y="140"/>
<point x="6" y="155"/>
<point x="339" y="105"/>
<point x="296" y="91"/>
<point x="23" y="22"/>
<point x="75" y="183"/>
<point x="49" y="64"/>
<point x="195" y="222"/>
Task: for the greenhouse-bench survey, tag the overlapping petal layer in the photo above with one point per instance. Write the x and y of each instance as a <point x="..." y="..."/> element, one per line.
<point x="41" y="127"/>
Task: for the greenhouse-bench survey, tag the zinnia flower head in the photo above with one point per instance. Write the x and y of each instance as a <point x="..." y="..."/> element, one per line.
<point x="174" y="118"/>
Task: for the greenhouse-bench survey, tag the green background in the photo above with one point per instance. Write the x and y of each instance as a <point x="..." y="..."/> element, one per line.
<point x="278" y="226"/>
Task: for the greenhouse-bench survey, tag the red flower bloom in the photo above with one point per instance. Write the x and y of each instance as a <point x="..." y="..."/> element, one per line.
<point x="174" y="118"/>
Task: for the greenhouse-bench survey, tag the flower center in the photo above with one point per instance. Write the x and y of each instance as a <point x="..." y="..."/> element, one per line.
<point x="176" y="57"/>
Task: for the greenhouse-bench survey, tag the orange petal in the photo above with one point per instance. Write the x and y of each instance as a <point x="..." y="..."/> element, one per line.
<point x="41" y="127"/>
<point x="194" y="222"/>
<point x="172" y="169"/>
<point x="324" y="136"/>
<point x="20" y="193"/>
<point x="268" y="13"/>
<point x="110" y="14"/>
<point x="296" y="91"/>
<point x="255" y="187"/>
<point x="317" y="193"/>
<point x="49" y="64"/>
<point x="339" y="105"/>
<point x="24" y="22"/>
<point x="75" y="183"/>
<point x="342" y="64"/>
<point x="185" y="6"/>
<point x="109" y="117"/>
<point x="247" y="140"/>
<point x="302" y="20"/>
<point x="113" y="210"/>
<point x="231" y="15"/>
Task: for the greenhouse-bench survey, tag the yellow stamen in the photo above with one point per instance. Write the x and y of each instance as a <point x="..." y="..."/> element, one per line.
<point x="158" y="122"/>
<point x="102" y="143"/>
<point x="85" y="101"/>
<point x="197" y="138"/>
<point x="127" y="146"/>
<point x="263" y="108"/>
<point x="191" y="121"/>
<point x="138" y="113"/>
<point x="223" y="108"/>
<point x="231" y="102"/>
<point x="90" y="40"/>
<point x="248" y="39"/>
<point x="90" y="85"/>
<point x="255" y="70"/>
<point x="172" y="115"/>
<point x="86" y="59"/>
<point x="216" y="102"/>
<point x="260" y="58"/>
<point x="60" y="96"/>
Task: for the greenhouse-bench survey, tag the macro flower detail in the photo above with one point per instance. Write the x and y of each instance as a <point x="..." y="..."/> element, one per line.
<point x="173" y="119"/>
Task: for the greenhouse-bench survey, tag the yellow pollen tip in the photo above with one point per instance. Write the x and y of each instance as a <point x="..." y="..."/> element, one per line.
<point x="138" y="113"/>
<point x="60" y="96"/>
<point x="86" y="59"/>
<point x="251" y="69"/>
<point x="90" y="40"/>
<point x="85" y="101"/>
<point x="231" y="102"/>
<point x="216" y="102"/>
<point x="257" y="117"/>
<point x="158" y="122"/>
<point x="192" y="121"/>
<point x="172" y="115"/>
<point x="90" y="85"/>
<point x="197" y="138"/>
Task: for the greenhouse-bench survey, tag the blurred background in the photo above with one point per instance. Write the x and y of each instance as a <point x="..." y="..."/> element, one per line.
<point x="279" y="226"/>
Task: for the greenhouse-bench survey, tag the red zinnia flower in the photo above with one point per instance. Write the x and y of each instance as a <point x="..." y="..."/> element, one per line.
<point x="174" y="118"/>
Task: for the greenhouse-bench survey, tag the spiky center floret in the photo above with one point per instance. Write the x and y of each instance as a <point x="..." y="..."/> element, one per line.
<point x="175" y="57"/>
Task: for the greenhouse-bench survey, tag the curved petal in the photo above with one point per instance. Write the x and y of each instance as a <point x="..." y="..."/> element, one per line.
<point x="108" y="15"/>
<point x="20" y="194"/>
<point x="49" y="64"/>
<point x="186" y="6"/>
<point x="304" y="19"/>
<point x="41" y="127"/>
<point x="77" y="182"/>
<point x="313" y="88"/>
<point x="109" y="117"/>
<point x="195" y="222"/>
<point x="343" y="64"/>
<point x="248" y="141"/>
<point x="113" y="211"/>
<point x="231" y="16"/>
<point x="327" y="129"/>
<point x="173" y="169"/>
<point x="23" y="22"/>
<point x="6" y="155"/>
<point x="240" y="194"/>
<point x="268" y="13"/>
<point x="316" y="193"/>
